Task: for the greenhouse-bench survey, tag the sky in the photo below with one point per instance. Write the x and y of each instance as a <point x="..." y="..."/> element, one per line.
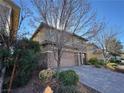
<point x="110" y="11"/>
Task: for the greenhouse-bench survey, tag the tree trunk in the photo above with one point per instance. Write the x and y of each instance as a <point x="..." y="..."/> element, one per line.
<point x="11" y="79"/>
<point x="58" y="67"/>
<point x="59" y="59"/>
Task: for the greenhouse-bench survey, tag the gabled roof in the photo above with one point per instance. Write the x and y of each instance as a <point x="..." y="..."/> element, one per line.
<point x="92" y="44"/>
<point x="42" y="25"/>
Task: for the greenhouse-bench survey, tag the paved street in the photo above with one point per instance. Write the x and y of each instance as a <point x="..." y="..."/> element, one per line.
<point x="105" y="81"/>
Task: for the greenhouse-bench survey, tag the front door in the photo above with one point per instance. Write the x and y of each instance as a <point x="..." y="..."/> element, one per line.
<point x="82" y="58"/>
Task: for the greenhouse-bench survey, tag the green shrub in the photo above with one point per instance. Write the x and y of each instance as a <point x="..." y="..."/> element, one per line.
<point x="4" y="52"/>
<point x="93" y="61"/>
<point x="26" y="66"/>
<point x="46" y="75"/>
<point x="26" y="52"/>
<point x="68" y="77"/>
<point x="102" y="63"/>
<point x="60" y="82"/>
<point x="97" y="63"/>
<point x="28" y="44"/>
<point x="114" y="61"/>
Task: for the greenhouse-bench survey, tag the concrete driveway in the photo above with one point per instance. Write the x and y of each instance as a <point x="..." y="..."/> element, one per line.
<point x="105" y="81"/>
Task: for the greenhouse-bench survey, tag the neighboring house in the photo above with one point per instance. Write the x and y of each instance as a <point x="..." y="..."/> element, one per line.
<point x="93" y="51"/>
<point x="74" y="51"/>
<point x="9" y="17"/>
<point x="122" y="55"/>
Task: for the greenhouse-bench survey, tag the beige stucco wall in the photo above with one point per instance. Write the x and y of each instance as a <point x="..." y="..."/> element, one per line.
<point x="67" y="60"/>
<point x="40" y="36"/>
<point x="94" y="55"/>
<point x="122" y="55"/>
<point x="94" y="52"/>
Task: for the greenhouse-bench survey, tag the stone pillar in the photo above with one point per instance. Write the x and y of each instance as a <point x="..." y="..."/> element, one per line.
<point x="76" y="58"/>
<point x="79" y="62"/>
<point x="82" y="57"/>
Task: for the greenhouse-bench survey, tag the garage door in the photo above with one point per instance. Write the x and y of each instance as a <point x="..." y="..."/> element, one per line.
<point x="68" y="59"/>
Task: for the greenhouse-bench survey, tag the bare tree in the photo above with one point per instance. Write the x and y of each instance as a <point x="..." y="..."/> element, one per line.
<point x="74" y="16"/>
<point x="106" y="41"/>
<point x="113" y="46"/>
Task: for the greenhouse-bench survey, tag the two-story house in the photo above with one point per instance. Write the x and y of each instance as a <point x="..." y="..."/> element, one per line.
<point x="9" y="17"/>
<point x="73" y="46"/>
